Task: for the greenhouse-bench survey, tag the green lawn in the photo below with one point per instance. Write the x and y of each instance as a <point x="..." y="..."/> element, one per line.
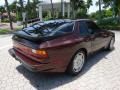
<point x="6" y="31"/>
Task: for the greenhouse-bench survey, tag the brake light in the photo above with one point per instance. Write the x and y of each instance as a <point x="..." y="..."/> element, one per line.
<point x="41" y="53"/>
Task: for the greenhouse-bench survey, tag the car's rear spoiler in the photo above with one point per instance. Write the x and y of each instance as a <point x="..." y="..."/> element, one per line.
<point x="31" y="38"/>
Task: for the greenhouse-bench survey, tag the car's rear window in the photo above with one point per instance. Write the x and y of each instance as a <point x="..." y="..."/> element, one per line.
<point x="50" y="28"/>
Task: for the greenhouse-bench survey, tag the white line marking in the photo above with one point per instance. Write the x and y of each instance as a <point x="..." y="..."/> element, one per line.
<point x="5" y="47"/>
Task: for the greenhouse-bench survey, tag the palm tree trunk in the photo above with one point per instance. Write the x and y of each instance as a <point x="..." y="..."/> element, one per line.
<point x="113" y="8"/>
<point x="100" y="10"/>
<point x="21" y="10"/>
<point x="61" y="8"/>
<point x="72" y="3"/>
<point x="21" y="3"/>
<point x="52" y="9"/>
<point x="8" y="11"/>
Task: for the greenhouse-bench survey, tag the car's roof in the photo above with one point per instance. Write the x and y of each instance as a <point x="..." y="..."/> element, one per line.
<point x="62" y="21"/>
<point x="70" y="20"/>
<point x="57" y="20"/>
<point x="83" y="20"/>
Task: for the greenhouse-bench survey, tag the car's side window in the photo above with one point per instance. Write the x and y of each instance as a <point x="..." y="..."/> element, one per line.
<point x="63" y="29"/>
<point x="92" y="27"/>
<point x="67" y="28"/>
<point x="83" y="28"/>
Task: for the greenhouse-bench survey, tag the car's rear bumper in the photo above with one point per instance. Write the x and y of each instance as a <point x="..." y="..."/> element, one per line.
<point x="32" y="65"/>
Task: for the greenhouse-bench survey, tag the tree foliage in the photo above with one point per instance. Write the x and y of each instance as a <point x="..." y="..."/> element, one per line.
<point x="105" y="14"/>
<point x="80" y="8"/>
<point x="115" y="6"/>
<point x="2" y="9"/>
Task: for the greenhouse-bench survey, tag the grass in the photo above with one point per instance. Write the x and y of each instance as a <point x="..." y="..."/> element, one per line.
<point x="4" y="31"/>
<point x="7" y="31"/>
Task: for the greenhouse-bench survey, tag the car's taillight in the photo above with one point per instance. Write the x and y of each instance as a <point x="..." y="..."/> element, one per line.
<point x="41" y="53"/>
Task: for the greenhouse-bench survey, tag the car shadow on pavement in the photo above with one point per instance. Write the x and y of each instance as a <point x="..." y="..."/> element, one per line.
<point x="51" y="81"/>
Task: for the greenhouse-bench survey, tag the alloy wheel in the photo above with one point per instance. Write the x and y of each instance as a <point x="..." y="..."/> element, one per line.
<point x="78" y="62"/>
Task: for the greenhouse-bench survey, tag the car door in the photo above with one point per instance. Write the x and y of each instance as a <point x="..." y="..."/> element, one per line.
<point x="95" y="34"/>
<point x="85" y="35"/>
<point x="105" y="37"/>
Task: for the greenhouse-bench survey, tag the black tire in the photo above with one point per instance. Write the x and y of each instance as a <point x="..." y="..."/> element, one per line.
<point x="112" y="41"/>
<point x="70" y="69"/>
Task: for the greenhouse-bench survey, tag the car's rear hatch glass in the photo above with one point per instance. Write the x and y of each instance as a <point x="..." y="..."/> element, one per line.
<point x="45" y="31"/>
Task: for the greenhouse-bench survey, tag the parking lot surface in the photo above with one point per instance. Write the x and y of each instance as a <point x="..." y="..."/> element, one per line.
<point x="102" y="72"/>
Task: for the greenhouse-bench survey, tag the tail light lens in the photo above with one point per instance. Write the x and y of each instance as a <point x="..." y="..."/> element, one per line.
<point x="40" y="53"/>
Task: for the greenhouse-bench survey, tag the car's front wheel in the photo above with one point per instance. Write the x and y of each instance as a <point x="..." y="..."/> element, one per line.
<point x="77" y="63"/>
<point x="111" y="44"/>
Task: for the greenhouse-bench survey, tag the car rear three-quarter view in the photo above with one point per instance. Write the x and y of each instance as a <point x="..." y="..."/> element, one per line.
<point x="59" y="45"/>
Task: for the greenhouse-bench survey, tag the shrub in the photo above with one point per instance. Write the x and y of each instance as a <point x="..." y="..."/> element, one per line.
<point x="5" y="20"/>
<point x="109" y="21"/>
<point x="110" y="27"/>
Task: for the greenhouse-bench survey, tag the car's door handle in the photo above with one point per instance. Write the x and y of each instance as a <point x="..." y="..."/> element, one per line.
<point x="89" y="38"/>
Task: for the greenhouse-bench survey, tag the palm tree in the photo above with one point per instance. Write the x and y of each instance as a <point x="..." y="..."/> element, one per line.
<point x="21" y="8"/>
<point x="62" y="2"/>
<point x="89" y="3"/>
<point x="77" y="5"/>
<point x="28" y="9"/>
<point x="52" y="9"/>
<point x="115" y="5"/>
<point x="2" y="9"/>
<point x="100" y="10"/>
<point x="99" y="3"/>
<point x="61" y="7"/>
<point x="21" y="4"/>
<point x="8" y="11"/>
<point x="73" y="5"/>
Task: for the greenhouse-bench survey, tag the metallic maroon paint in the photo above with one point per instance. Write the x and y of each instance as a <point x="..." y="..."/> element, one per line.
<point x="60" y="50"/>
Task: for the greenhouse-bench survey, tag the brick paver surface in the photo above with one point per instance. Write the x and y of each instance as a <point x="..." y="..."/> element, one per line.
<point x="102" y="72"/>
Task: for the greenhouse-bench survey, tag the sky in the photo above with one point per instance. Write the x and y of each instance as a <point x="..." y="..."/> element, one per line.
<point x="91" y="9"/>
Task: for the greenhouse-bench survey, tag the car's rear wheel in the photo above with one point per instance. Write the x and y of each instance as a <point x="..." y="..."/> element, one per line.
<point x="77" y="63"/>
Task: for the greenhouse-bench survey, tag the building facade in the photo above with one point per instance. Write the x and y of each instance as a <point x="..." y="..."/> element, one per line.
<point x="58" y="7"/>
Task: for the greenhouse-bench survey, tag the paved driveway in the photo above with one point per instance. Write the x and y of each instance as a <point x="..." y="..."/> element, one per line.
<point x="102" y="72"/>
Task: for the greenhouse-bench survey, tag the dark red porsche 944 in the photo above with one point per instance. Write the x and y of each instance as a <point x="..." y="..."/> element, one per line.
<point x="59" y="45"/>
